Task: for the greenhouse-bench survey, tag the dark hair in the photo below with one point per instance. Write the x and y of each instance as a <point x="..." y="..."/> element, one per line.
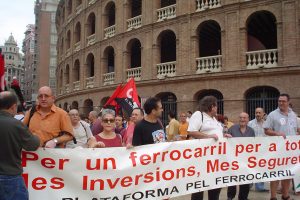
<point x="7" y="100"/>
<point x="206" y="103"/>
<point x="140" y="109"/>
<point x="190" y="112"/>
<point x="172" y="114"/>
<point x="20" y="108"/>
<point x="285" y="95"/>
<point x="225" y="117"/>
<point x="150" y="104"/>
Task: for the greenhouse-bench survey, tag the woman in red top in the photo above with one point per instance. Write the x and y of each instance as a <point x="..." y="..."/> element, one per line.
<point x="108" y="138"/>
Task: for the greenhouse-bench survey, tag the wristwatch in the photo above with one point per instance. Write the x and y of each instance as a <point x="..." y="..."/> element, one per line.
<point x="55" y="140"/>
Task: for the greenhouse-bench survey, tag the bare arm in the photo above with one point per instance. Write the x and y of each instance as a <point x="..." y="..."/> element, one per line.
<point x="271" y="132"/>
<point x="200" y="135"/>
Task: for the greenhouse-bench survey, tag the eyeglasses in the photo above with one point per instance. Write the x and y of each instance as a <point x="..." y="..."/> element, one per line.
<point x="108" y="120"/>
<point x="73" y="115"/>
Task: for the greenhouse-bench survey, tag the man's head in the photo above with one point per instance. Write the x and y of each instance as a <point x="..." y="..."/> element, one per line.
<point x="45" y="97"/>
<point x="243" y="119"/>
<point x="137" y="115"/>
<point x="74" y="116"/>
<point x="284" y="102"/>
<point x="93" y="115"/>
<point x="182" y="117"/>
<point x="259" y="114"/>
<point x="8" y="102"/>
<point x="119" y="121"/>
<point x="209" y="105"/>
<point x="189" y="114"/>
<point x="171" y="115"/>
<point x="153" y="107"/>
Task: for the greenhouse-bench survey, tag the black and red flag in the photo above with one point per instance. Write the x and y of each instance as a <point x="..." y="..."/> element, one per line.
<point x="2" y="72"/>
<point x="126" y="97"/>
<point x="16" y="87"/>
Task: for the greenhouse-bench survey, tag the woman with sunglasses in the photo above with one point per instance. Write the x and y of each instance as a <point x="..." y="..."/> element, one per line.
<point x="108" y="137"/>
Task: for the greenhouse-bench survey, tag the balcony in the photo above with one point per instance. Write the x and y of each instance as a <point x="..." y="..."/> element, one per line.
<point x="77" y="46"/>
<point x="209" y="64"/>
<point x="78" y="9"/>
<point x="91" y="39"/>
<point x="109" y="31"/>
<point x="207" y="4"/>
<point x="134" y="23"/>
<point x="135" y="73"/>
<point x="90" y="2"/>
<point x="263" y="58"/>
<point x="109" y="78"/>
<point x="89" y="82"/>
<point x="67" y="88"/>
<point x="68" y="52"/>
<point x="167" y="69"/>
<point x="69" y="18"/>
<point x="76" y="85"/>
<point x="168" y="12"/>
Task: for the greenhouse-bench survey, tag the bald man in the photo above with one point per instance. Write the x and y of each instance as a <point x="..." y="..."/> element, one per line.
<point x="50" y="123"/>
<point x="240" y="130"/>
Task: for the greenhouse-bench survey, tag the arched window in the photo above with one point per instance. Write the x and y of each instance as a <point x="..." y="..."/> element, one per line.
<point x="91" y="24"/>
<point x="261" y="40"/>
<point x="167" y="41"/>
<point x="264" y="97"/>
<point x="216" y="94"/>
<point x="209" y="38"/>
<point x="134" y="48"/>
<point x="68" y="40"/>
<point x="77" y="33"/>
<point x="67" y="73"/>
<point x="169" y="103"/>
<point x="165" y="3"/>
<point x="261" y="31"/>
<point x="76" y="72"/>
<point x="109" y="55"/>
<point x="87" y="107"/>
<point x="74" y="105"/>
<point x="90" y="65"/>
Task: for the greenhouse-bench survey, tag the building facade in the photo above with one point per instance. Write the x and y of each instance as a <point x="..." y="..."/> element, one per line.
<point x="45" y="45"/>
<point x="30" y="82"/>
<point x="14" y="63"/>
<point x="245" y="53"/>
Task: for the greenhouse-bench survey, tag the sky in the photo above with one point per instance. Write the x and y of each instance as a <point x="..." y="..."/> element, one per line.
<point x="15" y="15"/>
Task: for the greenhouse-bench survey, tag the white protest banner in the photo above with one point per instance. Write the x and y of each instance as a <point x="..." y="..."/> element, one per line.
<point x="158" y="171"/>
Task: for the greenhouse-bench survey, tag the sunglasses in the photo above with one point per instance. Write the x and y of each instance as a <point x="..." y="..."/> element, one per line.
<point x="108" y="120"/>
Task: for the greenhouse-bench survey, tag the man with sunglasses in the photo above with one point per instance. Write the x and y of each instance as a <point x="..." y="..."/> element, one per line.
<point x="50" y="123"/>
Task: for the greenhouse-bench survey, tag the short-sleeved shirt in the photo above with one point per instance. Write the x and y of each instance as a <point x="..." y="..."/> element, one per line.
<point x="279" y="122"/>
<point x="183" y="128"/>
<point x="82" y="133"/>
<point x="235" y="131"/>
<point x="209" y="125"/>
<point x="172" y="130"/>
<point x="96" y="127"/>
<point x="148" y="133"/>
<point x="49" y="126"/>
<point x="113" y="142"/>
<point x="257" y="127"/>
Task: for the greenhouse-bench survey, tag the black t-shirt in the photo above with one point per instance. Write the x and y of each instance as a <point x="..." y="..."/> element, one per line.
<point x="148" y="133"/>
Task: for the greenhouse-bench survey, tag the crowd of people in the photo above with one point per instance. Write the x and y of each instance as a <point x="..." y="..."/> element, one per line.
<point x="47" y="125"/>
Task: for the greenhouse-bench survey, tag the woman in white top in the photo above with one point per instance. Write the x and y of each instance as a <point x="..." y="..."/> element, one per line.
<point x="204" y="125"/>
<point x="82" y="132"/>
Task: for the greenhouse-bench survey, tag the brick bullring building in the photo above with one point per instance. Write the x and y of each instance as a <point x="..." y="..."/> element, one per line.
<point x="244" y="52"/>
